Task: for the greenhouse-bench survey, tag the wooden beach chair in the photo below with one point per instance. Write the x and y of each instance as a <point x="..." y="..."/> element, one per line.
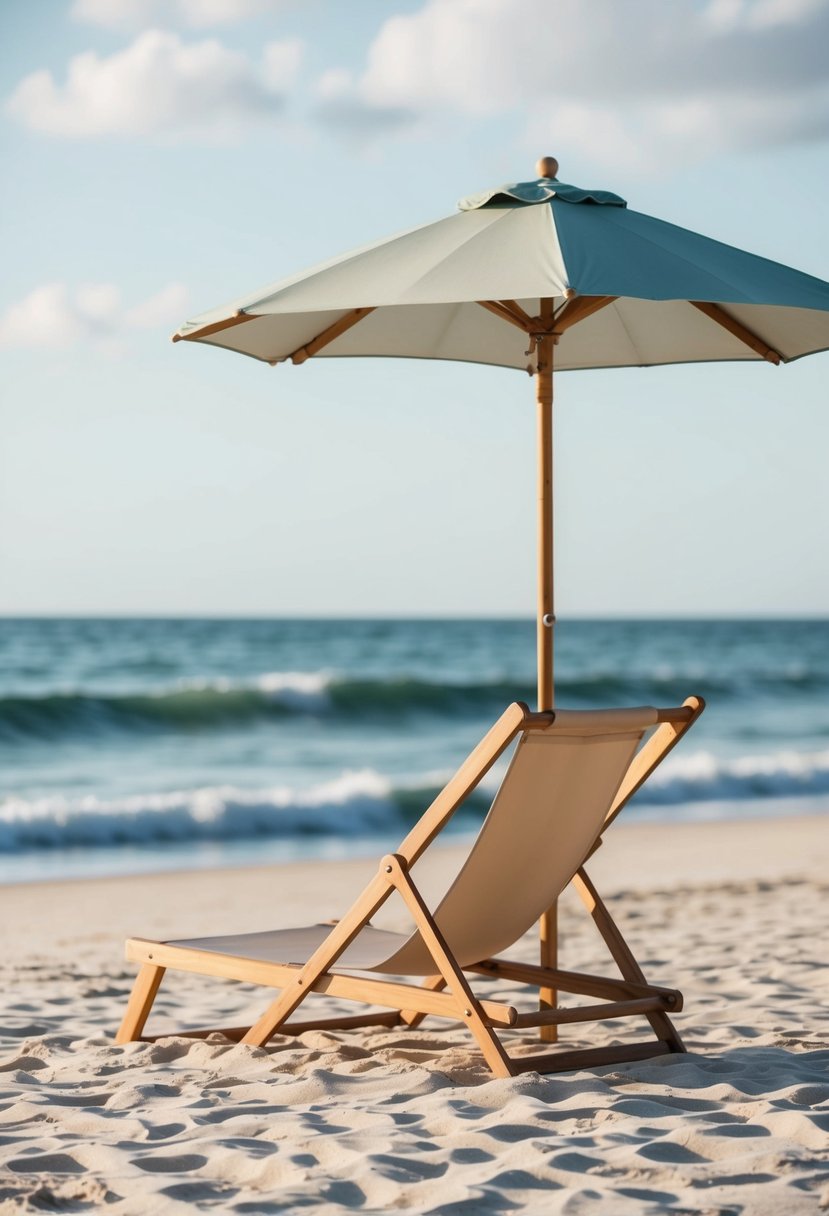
<point x="570" y="775"/>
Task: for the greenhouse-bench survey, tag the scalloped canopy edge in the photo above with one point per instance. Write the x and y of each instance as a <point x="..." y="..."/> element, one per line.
<point x="542" y="190"/>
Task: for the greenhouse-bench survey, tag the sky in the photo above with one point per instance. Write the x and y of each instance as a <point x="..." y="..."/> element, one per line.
<point x="161" y="157"/>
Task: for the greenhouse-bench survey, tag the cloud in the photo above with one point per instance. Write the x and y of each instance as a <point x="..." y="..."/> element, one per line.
<point x="341" y="108"/>
<point x="165" y="308"/>
<point x="159" y="85"/>
<point x="137" y="14"/>
<point x="53" y="317"/>
<point x="758" y="14"/>
<point x="643" y="78"/>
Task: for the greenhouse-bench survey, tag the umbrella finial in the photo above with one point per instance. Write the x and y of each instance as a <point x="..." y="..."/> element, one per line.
<point x="547" y="166"/>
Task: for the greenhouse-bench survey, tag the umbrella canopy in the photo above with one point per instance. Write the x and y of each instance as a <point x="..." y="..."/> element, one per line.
<point x="628" y="290"/>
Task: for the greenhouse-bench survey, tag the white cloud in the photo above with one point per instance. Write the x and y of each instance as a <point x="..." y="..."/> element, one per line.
<point x="159" y="85"/>
<point x="166" y="307"/>
<point x="280" y="64"/>
<point x="342" y="108"/>
<point x="643" y="78"/>
<point x="136" y="14"/>
<point x="53" y="317"/>
<point x="334" y="84"/>
<point x="758" y="14"/>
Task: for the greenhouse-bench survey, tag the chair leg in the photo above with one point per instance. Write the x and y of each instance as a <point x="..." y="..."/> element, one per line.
<point x="548" y="958"/>
<point x="140" y="1003"/>
<point x="469" y="1010"/>
<point x="662" y="1025"/>
<point x="342" y="934"/>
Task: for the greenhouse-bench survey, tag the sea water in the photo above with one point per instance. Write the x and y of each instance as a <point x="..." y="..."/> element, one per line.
<point x="132" y="745"/>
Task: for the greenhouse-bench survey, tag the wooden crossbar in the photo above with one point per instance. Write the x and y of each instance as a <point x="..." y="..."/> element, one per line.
<point x="354" y="1021"/>
<point x="281" y="975"/>
<point x="576" y="982"/>
<point x="588" y="1013"/>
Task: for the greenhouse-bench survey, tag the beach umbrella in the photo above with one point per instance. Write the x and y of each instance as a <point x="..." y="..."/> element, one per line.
<point x="534" y="275"/>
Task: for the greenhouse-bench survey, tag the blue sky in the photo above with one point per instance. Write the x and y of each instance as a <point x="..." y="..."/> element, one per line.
<point x="163" y="156"/>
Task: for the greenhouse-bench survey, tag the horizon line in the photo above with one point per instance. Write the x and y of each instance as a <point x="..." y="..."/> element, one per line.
<point x="442" y="617"/>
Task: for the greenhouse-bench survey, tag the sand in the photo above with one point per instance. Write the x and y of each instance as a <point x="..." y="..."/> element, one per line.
<point x="411" y="1121"/>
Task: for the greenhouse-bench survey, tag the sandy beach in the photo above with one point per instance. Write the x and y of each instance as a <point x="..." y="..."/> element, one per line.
<point x="732" y="913"/>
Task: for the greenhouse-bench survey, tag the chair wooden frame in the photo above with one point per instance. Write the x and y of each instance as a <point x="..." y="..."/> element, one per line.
<point x="448" y="992"/>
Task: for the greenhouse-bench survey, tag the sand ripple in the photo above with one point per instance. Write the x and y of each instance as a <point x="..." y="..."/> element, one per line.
<point x="396" y="1120"/>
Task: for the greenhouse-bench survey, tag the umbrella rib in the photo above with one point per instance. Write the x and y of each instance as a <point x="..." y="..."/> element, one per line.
<point x="504" y="310"/>
<point x="735" y="327"/>
<point x="515" y="308"/>
<point x="215" y="327"/>
<point x="573" y="311"/>
<point x="328" y="335"/>
<point x="579" y="310"/>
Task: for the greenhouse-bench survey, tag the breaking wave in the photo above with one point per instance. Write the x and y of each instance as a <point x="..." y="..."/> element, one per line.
<point x="358" y="804"/>
<point x="220" y="703"/>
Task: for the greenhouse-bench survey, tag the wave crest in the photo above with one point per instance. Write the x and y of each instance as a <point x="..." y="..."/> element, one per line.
<point x="211" y="704"/>
<point x="353" y="804"/>
<point x="361" y="803"/>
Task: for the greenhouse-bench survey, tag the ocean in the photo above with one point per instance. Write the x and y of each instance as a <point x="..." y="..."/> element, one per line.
<point x="131" y="745"/>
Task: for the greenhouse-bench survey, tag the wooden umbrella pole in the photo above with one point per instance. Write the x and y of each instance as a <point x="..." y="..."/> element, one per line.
<point x="548" y="926"/>
<point x="545" y="626"/>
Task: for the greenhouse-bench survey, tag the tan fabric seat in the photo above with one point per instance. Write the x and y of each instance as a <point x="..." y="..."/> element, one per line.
<point x="369" y="952"/>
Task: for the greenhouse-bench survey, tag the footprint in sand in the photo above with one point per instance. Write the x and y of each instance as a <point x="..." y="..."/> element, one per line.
<point x="675" y="1154"/>
<point x="170" y="1165"/>
<point x="42" y="1163"/>
<point x="199" y="1192"/>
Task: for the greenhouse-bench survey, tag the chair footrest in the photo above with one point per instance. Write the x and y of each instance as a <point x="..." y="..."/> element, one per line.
<point x="589" y="1057"/>
<point x="590" y="1013"/>
<point x="577" y="982"/>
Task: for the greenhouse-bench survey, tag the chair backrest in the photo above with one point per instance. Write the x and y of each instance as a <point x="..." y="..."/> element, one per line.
<point x="542" y="824"/>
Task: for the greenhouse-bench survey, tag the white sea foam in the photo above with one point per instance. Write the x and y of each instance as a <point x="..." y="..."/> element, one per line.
<point x="299" y="690"/>
<point x="351" y="804"/>
<point x="701" y="775"/>
<point x="358" y="803"/>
